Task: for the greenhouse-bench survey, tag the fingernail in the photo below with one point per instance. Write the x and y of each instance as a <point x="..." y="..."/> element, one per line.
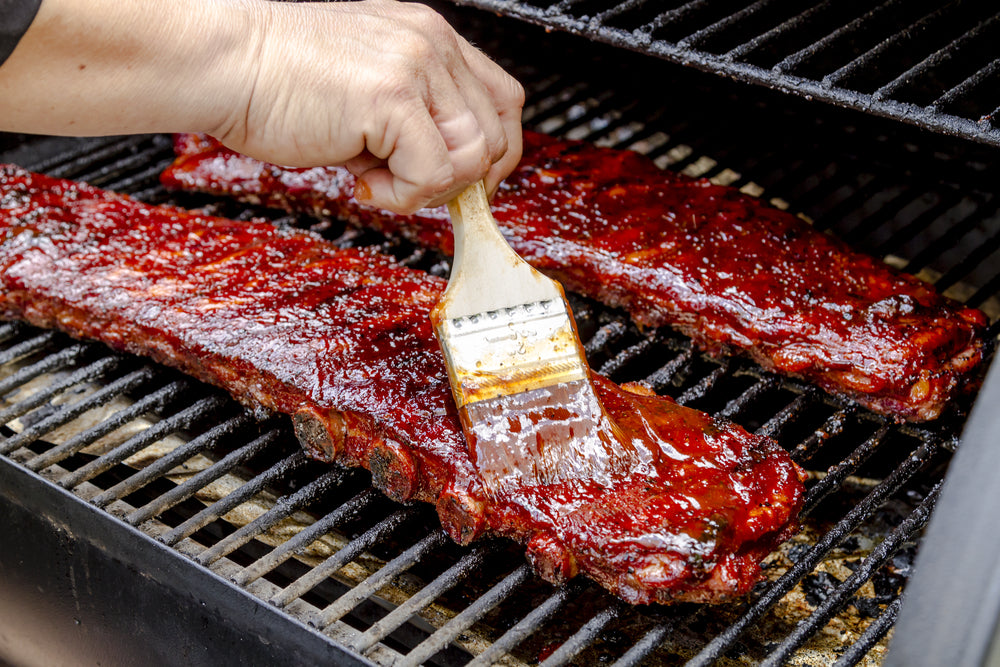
<point x="362" y="192"/>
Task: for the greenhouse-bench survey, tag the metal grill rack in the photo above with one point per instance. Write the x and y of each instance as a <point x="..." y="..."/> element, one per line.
<point x="928" y="63"/>
<point x="343" y="565"/>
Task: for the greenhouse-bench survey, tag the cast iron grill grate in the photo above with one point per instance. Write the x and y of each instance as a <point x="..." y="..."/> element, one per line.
<point x="189" y="467"/>
<point x="928" y="63"/>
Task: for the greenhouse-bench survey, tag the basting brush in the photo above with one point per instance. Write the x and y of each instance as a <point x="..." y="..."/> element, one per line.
<point x="516" y="365"/>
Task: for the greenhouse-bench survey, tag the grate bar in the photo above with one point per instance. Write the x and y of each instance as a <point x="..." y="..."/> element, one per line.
<point x="151" y="174"/>
<point x="9" y="329"/>
<point x="85" y="146"/>
<point x="172" y="459"/>
<point x="834" y="425"/>
<point x="871" y="636"/>
<point x="738" y="404"/>
<point x="202" y="479"/>
<point x="836" y="474"/>
<point x="671" y="16"/>
<point x="985" y="292"/>
<point x="73" y="162"/>
<point x="152" y="401"/>
<point x="304" y="538"/>
<point x="661" y="378"/>
<point x="88" y="373"/>
<point x="954" y="232"/>
<point x="947" y="201"/>
<point x="27" y="347"/>
<point x="441" y="584"/>
<point x="70" y="412"/>
<point x="866" y="569"/>
<point x="217" y="509"/>
<point x="966" y="86"/>
<point x="527" y="625"/>
<point x="615" y="10"/>
<point x="772" y="427"/>
<point x="642" y="648"/>
<point x="463" y="621"/>
<point x="792" y="23"/>
<point x="990" y="117"/>
<point x="865" y="59"/>
<point x="373" y="535"/>
<point x="605" y="336"/>
<point x="700" y="36"/>
<point x="940" y="56"/>
<point x="284" y="507"/>
<point x="52" y="362"/>
<point x="583" y="637"/>
<point x="791" y="61"/>
<point x="176" y="422"/>
<point x="404" y="561"/>
<point x="854" y="202"/>
<point x="615" y="363"/>
<point x="108" y="174"/>
<point x="980" y="254"/>
<point x="887" y="211"/>
<point x="705" y="384"/>
<point x="721" y="642"/>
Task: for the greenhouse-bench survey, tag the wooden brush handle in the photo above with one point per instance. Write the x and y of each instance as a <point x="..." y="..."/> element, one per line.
<point x="487" y="274"/>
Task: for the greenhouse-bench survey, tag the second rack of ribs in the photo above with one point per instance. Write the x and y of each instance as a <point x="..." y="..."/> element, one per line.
<point x="720" y="266"/>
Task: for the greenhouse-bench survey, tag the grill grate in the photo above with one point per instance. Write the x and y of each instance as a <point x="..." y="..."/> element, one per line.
<point x="925" y="63"/>
<point x="239" y="498"/>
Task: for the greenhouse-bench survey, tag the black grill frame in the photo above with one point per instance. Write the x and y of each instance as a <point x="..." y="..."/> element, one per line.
<point x="571" y="104"/>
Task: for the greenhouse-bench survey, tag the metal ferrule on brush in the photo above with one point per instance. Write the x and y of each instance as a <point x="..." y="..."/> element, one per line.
<point x="511" y="350"/>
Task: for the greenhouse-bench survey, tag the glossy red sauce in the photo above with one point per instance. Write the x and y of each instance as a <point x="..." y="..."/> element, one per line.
<point x="722" y="267"/>
<point x="341" y="340"/>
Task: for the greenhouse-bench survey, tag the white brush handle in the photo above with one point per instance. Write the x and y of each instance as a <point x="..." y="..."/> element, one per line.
<point x="487" y="274"/>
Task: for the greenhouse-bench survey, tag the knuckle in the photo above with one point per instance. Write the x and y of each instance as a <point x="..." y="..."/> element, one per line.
<point x="497" y="147"/>
<point x="515" y="92"/>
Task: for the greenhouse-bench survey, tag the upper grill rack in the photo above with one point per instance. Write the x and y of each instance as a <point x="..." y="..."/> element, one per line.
<point x="874" y="483"/>
<point x="927" y="63"/>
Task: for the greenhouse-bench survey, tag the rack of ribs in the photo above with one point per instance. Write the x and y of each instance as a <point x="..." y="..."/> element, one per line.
<point x="341" y="341"/>
<point x="722" y="267"/>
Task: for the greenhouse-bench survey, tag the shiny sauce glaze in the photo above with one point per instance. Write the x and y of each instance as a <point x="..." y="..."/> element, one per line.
<point x="722" y="267"/>
<point x="341" y="341"/>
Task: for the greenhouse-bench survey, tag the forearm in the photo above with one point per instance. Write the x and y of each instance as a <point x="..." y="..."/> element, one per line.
<point x="386" y="88"/>
<point x="93" y="67"/>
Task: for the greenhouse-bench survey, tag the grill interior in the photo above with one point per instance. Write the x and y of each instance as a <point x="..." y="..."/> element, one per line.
<point x="187" y="466"/>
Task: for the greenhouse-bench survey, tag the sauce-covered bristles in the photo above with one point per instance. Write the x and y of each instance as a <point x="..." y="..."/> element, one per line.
<point x="341" y="341"/>
<point x="546" y="435"/>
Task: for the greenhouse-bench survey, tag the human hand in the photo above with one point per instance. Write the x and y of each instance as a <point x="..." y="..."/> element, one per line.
<point x="387" y="89"/>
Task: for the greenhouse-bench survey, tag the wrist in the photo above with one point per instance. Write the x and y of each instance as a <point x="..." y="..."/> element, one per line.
<point x="89" y="67"/>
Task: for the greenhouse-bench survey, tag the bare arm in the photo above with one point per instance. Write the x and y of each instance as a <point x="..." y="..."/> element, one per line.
<point x="386" y="88"/>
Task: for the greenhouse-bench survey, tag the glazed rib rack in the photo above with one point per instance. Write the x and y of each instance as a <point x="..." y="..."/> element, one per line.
<point x="335" y="568"/>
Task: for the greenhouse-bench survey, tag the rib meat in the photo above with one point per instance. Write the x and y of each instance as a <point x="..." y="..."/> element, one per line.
<point x="340" y="340"/>
<point x="722" y="267"/>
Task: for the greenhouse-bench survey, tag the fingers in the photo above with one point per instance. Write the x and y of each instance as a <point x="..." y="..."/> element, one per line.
<point x="459" y="136"/>
<point x="478" y="117"/>
<point x="506" y="97"/>
<point x="387" y="89"/>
